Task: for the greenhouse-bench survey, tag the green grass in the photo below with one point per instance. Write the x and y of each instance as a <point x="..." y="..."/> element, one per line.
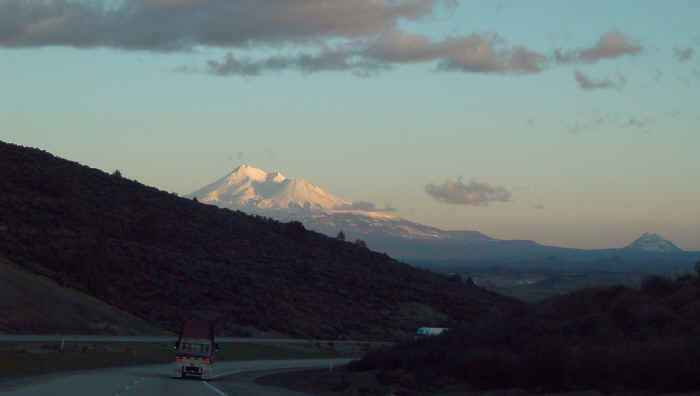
<point x="27" y="359"/>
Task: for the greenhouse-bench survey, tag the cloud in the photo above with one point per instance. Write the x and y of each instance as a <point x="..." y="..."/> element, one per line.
<point x="329" y="60"/>
<point x="610" y="46"/>
<point x="366" y="30"/>
<point x="636" y="123"/>
<point x="595" y="121"/>
<point x="682" y="55"/>
<point x="166" y="25"/>
<point x="658" y="74"/>
<point x="563" y="57"/>
<point x="531" y="123"/>
<point x="359" y="36"/>
<point x="475" y="193"/>
<point x="476" y="53"/>
<point x="588" y="84"/>
<point x="366" y="206"/>
<point x="538" y="206"/>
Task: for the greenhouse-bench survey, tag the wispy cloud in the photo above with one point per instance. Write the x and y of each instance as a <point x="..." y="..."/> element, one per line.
<point x="329" y="60"/>
<point x="610" y="46"/>
<point x="476" y="53"/>
<point x="635" y="122"/>
<point x="475" y="193"/>
<point x="683" y="55"/>
<point x="588" y="84"/>
<point x="658" y="74"/>
<point x="595" y="121"/>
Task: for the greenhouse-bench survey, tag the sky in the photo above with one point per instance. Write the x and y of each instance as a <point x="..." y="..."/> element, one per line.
<point x="573" y="124"/>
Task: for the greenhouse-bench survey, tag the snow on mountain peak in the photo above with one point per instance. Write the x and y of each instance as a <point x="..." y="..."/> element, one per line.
<point x="276" y="177"/>
<point x="651" y="242"/>
<point x="246" y="171"/>
<point x="250" y="187"/>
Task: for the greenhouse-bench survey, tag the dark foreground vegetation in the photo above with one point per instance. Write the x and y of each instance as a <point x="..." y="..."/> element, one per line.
<point x="166" y="259"/>
<point x="614" y="339"/>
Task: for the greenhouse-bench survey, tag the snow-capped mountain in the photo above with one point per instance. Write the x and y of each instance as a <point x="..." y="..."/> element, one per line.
<point x="253" y="188"/>
<point x="649" y="242"/>
<point x="272" y="194"/>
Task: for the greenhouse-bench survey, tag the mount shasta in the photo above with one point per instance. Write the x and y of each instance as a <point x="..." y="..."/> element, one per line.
<point x="253" y="190"/>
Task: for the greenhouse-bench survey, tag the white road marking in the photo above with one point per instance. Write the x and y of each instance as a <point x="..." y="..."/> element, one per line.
<point x="215" y="389"/>
<point x="227" y="373"/>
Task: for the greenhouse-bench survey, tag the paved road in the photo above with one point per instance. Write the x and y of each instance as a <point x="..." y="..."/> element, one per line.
<point x="230" y="378"/>
<point x="155" y="339"/>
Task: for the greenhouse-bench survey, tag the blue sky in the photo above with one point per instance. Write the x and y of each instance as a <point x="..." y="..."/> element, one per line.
<point x="590" y="168"/>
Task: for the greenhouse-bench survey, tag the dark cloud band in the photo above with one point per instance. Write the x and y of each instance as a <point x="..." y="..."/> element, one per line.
<point x="181" y="24"/>
<point x="360" y="36"/>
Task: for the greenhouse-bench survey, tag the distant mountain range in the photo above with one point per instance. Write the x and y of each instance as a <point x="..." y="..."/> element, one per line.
<point x="272" y="194"/>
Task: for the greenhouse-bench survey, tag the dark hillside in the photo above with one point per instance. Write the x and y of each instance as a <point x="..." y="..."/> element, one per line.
<point x="31" y="301"/>
<point x="613" y="339"/>
<point x="165" y="259"/>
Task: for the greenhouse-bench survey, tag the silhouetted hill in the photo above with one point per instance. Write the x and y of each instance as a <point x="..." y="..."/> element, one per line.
<point x="614" y="339"/>
<point x="165" y="259"/>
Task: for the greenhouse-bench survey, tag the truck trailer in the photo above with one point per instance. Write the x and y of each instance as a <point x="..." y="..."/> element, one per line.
<point x="430" y="331"/>
<point x="194" y="350"/>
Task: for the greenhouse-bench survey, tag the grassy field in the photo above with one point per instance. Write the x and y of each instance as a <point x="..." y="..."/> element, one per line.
<point x="27" y="359"/>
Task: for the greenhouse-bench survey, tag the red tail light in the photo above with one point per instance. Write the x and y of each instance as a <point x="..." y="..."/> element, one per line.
<point x="179" y="359"/>
<point x="206" y="361"/>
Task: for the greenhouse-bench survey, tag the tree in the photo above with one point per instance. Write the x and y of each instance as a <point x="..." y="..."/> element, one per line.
<point x="341" y="236"/>
<point x="117" y="174"/>
<point x="360" y="243"/>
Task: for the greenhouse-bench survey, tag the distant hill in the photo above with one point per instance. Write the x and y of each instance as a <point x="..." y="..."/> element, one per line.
<point x="653" y="243"/>
<point x="165" y="259"/>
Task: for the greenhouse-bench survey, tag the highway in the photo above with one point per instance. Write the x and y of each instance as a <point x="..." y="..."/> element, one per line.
<point x="230" y="378"/>
<point x="172" y="339"/>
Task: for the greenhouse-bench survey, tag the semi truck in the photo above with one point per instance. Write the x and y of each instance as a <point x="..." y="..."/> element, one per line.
<point x="194" y="350"/>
